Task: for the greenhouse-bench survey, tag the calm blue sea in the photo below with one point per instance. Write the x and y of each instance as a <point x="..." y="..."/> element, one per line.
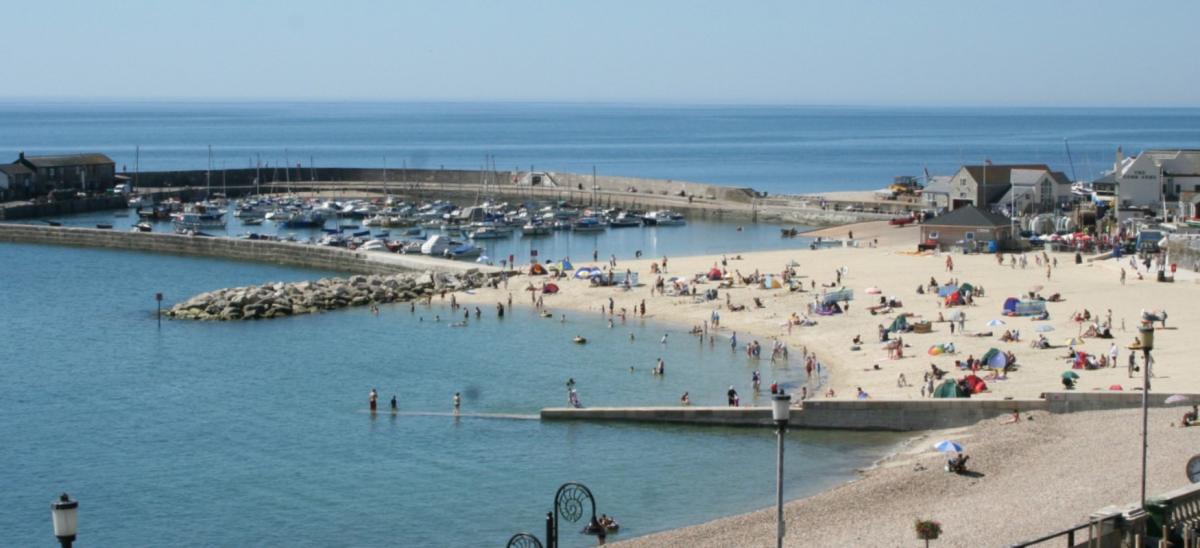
<point x="232" y="434"/>
<point x="256" y="433"/>
<point x="774" y="148"/>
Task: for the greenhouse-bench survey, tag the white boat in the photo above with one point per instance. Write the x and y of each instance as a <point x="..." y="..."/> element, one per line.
<point x="436" y="245"/>
<point x="252" y="221"/>
<point x="624" y="220"/>
<point x="535" y="229"/>
<point x="374" y="245"/>
<point x="486" y="233"/>
<point x="139" y="202"/>
<point x="198" y="216"/>
<point x="465" y="251"/>
<point x="664" y="218"/>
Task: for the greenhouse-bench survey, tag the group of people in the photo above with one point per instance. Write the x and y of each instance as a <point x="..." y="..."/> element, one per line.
<point x="373" y="401"/>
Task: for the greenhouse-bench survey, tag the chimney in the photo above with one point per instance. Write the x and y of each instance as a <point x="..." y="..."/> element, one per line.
<point x="21" y="156"/>
<point x="1120" y="160"/>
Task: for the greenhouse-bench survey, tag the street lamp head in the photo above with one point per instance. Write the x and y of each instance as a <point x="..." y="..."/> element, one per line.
<point x="781" y="407"/>
<point x="1146" y="336"/>
<point x="64" y="514"/>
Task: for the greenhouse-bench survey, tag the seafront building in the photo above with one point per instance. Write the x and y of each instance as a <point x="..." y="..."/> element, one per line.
<point x="1155" y="179"/>
<point x="1007" y="188"/>
<point x="16" y="182"/>
<point x="92" y="172"/>
<point x="967" y="226"/>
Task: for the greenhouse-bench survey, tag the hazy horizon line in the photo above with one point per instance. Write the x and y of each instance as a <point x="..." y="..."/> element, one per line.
<point x="573" y="102"/>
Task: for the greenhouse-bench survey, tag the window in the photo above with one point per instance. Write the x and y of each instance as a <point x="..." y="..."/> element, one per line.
<point x="934" y="235"/>
<point x="969" y="236"/>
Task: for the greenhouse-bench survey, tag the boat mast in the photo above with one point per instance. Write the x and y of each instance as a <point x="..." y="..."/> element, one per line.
<point x="385" y="178"/>
<point x="137" y="158"/>
<point x="208" y="176"/>
<point x="257" y="173"/>
<point x="287" y="171"/>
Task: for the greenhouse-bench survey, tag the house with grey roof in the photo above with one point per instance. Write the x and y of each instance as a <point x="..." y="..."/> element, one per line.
<point x="1025" y="188"/>
<point x="968" y="227"/>
<point x="91" y="172"/>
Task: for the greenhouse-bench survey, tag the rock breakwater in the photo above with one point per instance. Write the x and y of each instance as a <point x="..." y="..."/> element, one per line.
<point x="277" y="300"/>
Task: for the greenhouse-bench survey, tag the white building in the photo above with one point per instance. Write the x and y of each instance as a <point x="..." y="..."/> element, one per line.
<point x="1154" y="177"/>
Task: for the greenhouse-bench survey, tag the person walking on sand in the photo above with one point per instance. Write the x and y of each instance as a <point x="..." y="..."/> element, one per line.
<point x="373" y="399"/>
<point x="1122" y="275"/>
<point x="949" y="264"/>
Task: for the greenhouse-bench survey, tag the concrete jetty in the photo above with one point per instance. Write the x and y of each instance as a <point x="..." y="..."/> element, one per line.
<point x="285" y="253"/>
<point x="878" y="415"/>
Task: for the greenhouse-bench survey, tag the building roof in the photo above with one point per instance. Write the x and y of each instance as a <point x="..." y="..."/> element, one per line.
<point x="970" y="216"/>
<point x="938" y="184"/>
<point x="14" y="169"/>
<point x="1001" y="174"/>
<point x="64" y="160"/>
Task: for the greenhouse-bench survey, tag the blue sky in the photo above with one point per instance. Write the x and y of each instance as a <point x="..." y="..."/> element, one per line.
<point x="846" y="52"/>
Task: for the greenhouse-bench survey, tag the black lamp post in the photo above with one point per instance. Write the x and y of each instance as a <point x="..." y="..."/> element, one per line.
<point x="781" y="410"/>
<point x="1146" y="341"/>
<point x="64" y="514"/>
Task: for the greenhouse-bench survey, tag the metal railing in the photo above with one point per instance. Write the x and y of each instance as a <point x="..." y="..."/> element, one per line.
<point x="1093" y="533"/>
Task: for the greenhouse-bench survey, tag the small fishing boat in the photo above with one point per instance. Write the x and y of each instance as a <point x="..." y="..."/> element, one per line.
<point x="252" y="221"/>
<point x="535" y="229"/>
<point x="588" y="224"/>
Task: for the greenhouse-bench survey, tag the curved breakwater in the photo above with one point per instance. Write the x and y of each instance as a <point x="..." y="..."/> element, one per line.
<point x="277" y="300"/>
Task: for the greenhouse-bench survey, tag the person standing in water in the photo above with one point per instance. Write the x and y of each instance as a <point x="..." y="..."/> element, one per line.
<point x="457" y="402"/>
<point x="373" y="399"/>
<point x="394" y="406"/>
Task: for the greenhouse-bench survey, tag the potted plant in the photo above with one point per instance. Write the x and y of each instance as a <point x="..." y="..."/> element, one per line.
<point x="928" y="530"/>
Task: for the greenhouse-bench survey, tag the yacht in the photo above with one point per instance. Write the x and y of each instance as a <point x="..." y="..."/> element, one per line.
<point x="436" y="245"/>
<point x="535" y="229"/>
<point x="198" y="216"/>
<point x="588" y="224"/>
<point x="302" y="219"/>
<point x="663" y="218"/>
<point x="624" y="220"/>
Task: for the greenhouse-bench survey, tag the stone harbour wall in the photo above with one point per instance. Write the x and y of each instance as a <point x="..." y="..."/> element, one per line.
<point x="285" y="253"/>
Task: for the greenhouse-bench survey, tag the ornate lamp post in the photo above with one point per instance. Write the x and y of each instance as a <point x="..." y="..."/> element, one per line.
<point x="523" y="540"/>
<point x="1146" y="340"/>
<point x="781" y="408"/>
<point x="64" y="514"/>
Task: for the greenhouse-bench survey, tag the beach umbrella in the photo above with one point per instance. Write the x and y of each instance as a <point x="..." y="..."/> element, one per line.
<point x="1115" y="387"/>
<point x="873" y="291"/>
<point x="482" y="259"/>
<point x="947" y="446"/>
<point x="1070" y="375"/>
<point x="996" y="323"/>
<point x="1072" y="341"/>
<point x="1044" y="328"/>
<point x="1177" y="398"/>
<point x="1035" y="289"/>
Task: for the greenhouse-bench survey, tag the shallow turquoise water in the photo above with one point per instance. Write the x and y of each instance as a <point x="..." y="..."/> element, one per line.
<point x="230" y="434"/>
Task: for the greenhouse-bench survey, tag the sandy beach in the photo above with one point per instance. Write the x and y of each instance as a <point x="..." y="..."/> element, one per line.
<point x="1072" y="465"/>
<point x="897" y="272"/>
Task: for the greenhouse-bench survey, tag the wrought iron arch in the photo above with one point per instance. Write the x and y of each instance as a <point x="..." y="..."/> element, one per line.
<point x="569" y="501"/>
<point x="523" y="540"/>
